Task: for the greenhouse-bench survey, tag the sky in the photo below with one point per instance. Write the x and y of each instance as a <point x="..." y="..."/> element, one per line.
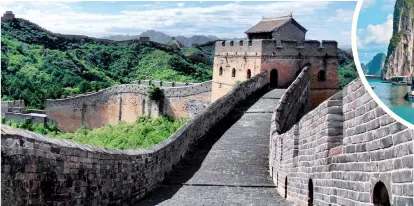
<point x="374" y="28"/>
<point x="323" y="20"/>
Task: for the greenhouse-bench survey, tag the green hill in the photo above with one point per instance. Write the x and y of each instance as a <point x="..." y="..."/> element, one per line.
<point x="346" y="69"/>
<point x="37" y="64"/>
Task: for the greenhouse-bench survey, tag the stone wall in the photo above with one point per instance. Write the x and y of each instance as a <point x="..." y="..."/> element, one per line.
<point x="34" y="118"/>
<point x="159" y="83"/>
<point x="285" y="57"/>
<point x="41" y="170"/>
<point x="294" y="103"/>
<point x="8" y="106"/>
<point x="337" y="153"/>
<point x="125" y="103"/>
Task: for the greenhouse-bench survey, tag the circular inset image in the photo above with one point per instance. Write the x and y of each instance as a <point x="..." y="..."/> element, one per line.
<point x="384" y="45"/>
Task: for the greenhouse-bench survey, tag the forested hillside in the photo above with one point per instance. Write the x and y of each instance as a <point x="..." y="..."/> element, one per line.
<point x="347" y="70"/>
<point x="37" y="64"/>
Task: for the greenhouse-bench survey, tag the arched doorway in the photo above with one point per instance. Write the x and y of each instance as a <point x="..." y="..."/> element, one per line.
<point x="249" y="74"/>
<point x="286" y="187"/>
<point x="310" y="192"/>
<point x="381" y="195"/>
<point x="274" y="77"/>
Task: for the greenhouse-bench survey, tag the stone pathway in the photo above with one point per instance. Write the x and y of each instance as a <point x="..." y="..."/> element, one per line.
<point x="228" y="167"/>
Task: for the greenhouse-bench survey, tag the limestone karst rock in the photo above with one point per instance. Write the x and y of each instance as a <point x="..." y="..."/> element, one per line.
<point x="375" y="66"/>
<point x="400" y="49"/>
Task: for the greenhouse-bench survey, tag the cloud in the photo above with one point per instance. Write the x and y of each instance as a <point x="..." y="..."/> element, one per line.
<point x="342" y="16"/>
<point x="180" y="4"/>
<point x="368" y="3"/>
<point x="225" y="20"/>
<point x="379" y="33"/>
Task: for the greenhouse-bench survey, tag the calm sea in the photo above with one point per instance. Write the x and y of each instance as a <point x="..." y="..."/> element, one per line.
<point x="393" y="97"/>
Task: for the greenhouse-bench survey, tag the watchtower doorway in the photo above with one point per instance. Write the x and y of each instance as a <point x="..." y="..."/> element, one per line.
<point x="381" y="195"/>
<point x="274" y="77"/>
<point x="310" y="193"/>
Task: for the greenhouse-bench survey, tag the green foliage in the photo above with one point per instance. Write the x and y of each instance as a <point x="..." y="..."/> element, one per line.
<point x="144" y="133"/>
<point x="6" y="98"/>
<point x="39" y="65"/>
<point x="155" y="93"/>
<point x="346" y="70"/>
<point x="347" y="73"/>
<point x="49" y="129"/>
<point x="396" y="39"/>
<point x="409" y="2"/>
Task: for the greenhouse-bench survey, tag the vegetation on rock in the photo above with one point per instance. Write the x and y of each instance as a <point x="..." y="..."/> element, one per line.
<point x="155" y="93"/>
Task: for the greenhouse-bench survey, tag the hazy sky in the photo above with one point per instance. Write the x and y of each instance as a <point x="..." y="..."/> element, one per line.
<point x="324" y="20"/>
<point x="374" y="28"/>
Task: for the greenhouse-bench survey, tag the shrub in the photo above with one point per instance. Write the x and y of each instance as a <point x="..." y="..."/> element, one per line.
<point x="155" y="93"/>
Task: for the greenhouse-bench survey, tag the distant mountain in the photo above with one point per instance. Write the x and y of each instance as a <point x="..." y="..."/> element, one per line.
<point x="163" y="38"/>
<point x="375" y="66"/>
<point x="364" y="68"/>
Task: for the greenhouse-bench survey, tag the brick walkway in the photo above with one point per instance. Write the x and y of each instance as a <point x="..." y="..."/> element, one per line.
<point x="230" y="166"/>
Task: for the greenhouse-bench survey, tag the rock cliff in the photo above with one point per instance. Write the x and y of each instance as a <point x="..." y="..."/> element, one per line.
<point x="375" y="66"/>
<point x="400" y="49"/>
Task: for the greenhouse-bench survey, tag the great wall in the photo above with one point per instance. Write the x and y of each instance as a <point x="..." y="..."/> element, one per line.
<point x="303" y="142"/>
<point x="125" y="103"/>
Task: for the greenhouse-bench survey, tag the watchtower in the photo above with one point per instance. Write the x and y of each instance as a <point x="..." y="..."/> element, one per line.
<point x="277" y="45"/>
<point x="7" y="16"/>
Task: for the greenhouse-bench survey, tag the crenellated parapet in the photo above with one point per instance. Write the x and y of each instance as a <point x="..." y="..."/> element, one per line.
<point x="93" y="175"/>
<point x="277" y="48"/>
<point x="341" y="151"/>
<point x="125" y="103"/>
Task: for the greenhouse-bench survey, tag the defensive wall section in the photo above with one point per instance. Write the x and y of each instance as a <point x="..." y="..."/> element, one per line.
<point x="285" y="57"/>
<point x="126" y="103"/>
<point x="347" y="151"/>
<point x="295" y="102"/>
<point x="10" y="106"/>
<point x="40" y="170"/>
<point x="159" y="83"/>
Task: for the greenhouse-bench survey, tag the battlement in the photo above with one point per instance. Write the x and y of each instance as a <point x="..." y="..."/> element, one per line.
<point x="273" y="47"/>
<point x="144" y="38"/>
<point x="7" y="16"/>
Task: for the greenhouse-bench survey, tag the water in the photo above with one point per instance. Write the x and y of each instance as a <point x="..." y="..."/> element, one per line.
<point x="393" y="97"/>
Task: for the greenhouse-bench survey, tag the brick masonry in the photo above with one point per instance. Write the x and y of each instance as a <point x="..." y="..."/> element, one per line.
<point x="41" y="170"/>
<point x="125" y="103"/>
<point x="294" y="103"/>
<point x="9" y="106"/>
<point x="345" y="146"/>
<point x="286" y="57"/>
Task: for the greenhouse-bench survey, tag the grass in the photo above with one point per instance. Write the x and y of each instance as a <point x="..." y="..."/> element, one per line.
<point x="143" y="133"/>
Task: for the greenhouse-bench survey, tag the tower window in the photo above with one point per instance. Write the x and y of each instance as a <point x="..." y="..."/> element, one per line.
<point x="223" y="43"/>
<point x="221" y="71"/>
<point x="241" y="43"/>
<point x="233" y="73"/>
<point x="231" y="43"/>
<point x="249" y="74"/>
<point x="250" y="43"/>
<point x="321" y="76"/>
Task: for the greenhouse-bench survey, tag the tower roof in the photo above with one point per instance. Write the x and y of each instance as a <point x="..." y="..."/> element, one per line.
<point x="272" y="24"/>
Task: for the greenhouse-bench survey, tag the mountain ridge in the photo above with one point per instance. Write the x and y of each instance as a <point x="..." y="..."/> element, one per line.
<point x="163" y="38"/>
